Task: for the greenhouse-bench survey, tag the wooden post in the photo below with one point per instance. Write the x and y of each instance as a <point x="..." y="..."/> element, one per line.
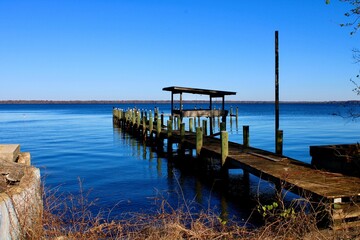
<point x="222" y="126"/>
<point x="156" y="112"/>
<point x="169" y="128"/>
<point x="246" y="136"/>
<point x="279" y="142"/>
<point x="144" y="126"/>
<point x="138" y="119"/>
<point x="158" y="127"/>
<point x="174" y="120"/>
<point x="162" y="119"/>
<point x="237" y="114"/>
<point x="199" y="140"/>
<point x="212" y="127"/>
<point x="224" y="136"/>
<point x="182" y="132"/>
<point x="204" y="126"/>
<point x="179" y="122"/>
<point x="191" y="124"/>
<point x="169" y="140"/>
<point x="151" y="124"/>
<point x="133" y="117"/>
<point x="276" y="89"/>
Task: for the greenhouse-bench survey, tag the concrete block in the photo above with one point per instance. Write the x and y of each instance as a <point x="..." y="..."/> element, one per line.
<point x="9" y="152"/>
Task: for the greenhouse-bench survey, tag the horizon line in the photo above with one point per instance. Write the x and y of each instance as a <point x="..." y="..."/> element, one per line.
<point x="162" y="101"/>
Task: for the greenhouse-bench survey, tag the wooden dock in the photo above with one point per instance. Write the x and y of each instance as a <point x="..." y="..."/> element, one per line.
<point x="340" y="193"/>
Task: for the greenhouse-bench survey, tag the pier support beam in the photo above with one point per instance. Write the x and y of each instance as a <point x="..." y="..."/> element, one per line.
<point x="224" y="136"/>
<point x="151" y="125"/>
<point x="199" y="140"/>
<point x="191" y="124"/>
<point x="204" y="127"/>
<point x="246" y="136"/>
<point x="222" y="126"/>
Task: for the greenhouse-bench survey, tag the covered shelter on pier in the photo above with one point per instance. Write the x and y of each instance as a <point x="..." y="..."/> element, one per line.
<point x="209" y="112"/>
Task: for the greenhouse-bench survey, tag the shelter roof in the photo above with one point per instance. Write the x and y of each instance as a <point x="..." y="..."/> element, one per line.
<point x="212" y="93"/>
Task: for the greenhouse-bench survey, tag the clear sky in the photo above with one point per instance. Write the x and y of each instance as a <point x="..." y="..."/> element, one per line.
<point x="131" y="49"/>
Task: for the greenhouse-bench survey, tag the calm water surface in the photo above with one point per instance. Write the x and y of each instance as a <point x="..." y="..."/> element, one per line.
<point x="78" y="142"/>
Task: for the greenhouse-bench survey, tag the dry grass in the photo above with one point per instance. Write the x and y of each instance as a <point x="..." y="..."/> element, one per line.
<point x="73" y="219"/>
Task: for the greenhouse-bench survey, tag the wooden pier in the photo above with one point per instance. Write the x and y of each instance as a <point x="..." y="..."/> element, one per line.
<point x="341" y="193"/>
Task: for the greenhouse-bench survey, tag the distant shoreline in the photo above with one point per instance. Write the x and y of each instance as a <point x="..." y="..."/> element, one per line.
<point x="165" y="102"/>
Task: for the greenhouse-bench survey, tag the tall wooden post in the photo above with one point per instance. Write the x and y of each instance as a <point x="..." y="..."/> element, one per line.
<point x="211" y="116"/>
<point x="276" y="89"/>
<point x="172" y="103"/>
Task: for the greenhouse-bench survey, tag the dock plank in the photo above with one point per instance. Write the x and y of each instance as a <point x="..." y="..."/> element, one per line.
<point x="290" y="171"/>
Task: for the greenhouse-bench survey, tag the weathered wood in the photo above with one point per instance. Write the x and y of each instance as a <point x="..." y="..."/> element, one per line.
<point x="137" y="118"/>
<point x="158" y="127"/>
<point x="169" y="128"/>
<point x="199" y="140"/>
<point x="224" y="137"/>
<point x="133" y="117"/>
<point x="162" y="120"/>
<point x="182" y="132"/>
<point x="144" y="126"/>
<point x="204" y="127"/>
<point x="191" y="124"/>
<point x="246" y="136"/>
<point x="151" y="124"/>
<point x="223" y="126"/>
<point x="237" y="115"/>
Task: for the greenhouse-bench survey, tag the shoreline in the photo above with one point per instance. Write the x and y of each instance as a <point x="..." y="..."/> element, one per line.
<point x="165" y="102"/>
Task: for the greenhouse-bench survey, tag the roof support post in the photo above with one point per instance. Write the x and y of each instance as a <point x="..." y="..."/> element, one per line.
<point x="211" y="117"/>
<point x="172" y="104"/>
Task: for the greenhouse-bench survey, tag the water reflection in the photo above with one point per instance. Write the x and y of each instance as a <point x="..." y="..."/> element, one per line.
<point x="194" y="182"/>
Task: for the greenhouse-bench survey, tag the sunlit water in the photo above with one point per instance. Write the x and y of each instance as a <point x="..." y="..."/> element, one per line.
<point x="72" y="143"/>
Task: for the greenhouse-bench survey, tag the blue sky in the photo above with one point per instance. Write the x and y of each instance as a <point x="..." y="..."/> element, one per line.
<point x="131" y="49"/>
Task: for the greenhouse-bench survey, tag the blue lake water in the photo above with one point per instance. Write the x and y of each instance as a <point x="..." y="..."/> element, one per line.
<point x="69" y="142"/>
